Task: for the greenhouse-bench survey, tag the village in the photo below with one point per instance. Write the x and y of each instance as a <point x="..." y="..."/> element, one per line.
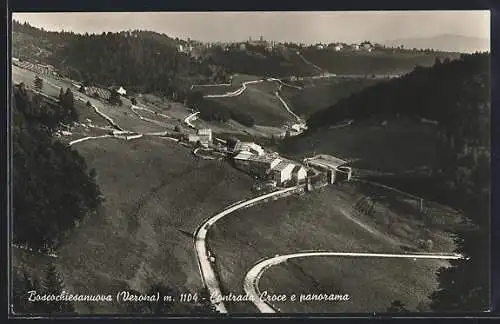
<point x="268" y="168"/>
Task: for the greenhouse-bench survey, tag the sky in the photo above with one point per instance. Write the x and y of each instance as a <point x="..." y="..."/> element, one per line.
<point x="305" y="27"/>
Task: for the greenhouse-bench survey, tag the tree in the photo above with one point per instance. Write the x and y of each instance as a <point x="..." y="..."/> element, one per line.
<point x="38" y="82"/>
<point x="133" y="101"/>
<point x="53" y="285"/>
<point x="464" y="286"/>
<point x="114" y="98"/>
<point x="53" y="189"/>
<point x="67" y="102"/>
<point x="195" y="100"/>
<point x="22" y="284"/>
<point x="81" y="89"/>
<point x="397" y="306"/>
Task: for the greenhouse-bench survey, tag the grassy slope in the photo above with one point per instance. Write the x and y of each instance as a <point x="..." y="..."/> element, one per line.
<point x="323" y="94"/>
<point x="372" y="284"/>
<point x="399" y="146"/>
<point x="314" y="222"/>
<point x="153" y="188"/>
<point x="259" y="101"/>
<point x="20" y="75"/>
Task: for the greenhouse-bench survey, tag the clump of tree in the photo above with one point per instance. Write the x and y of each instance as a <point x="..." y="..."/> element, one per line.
<point x="67" y="102"/>
<point x="114" y="98"/>
<point x="53" y="188"/>
<point x="51" y="284"/>
<point x="38" y="83"/>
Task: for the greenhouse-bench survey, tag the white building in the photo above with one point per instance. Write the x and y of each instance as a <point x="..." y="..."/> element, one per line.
<point x="243" y="46"/>
<point x="282" y="172"/>
<point x="262" y="164"/>
<point x="205" y="134"/>
<point x="193" y="138"/>
<point x="249" y="147"/>
<point x="338" y="48"/>
<point x="121" y="91"/>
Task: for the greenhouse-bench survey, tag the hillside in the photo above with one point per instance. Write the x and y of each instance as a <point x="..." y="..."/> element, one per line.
<point x="427" y="92"/>
<point x="378" y="61"/>
<point x="318" y="95"/>
<point x="256" y="105"/>
<point x="256" y="60"/>
<point x="139" y="60"/>
<point x="318" y="221"/>
<point x="451" y="100"/>
<point x="142" y="233"/>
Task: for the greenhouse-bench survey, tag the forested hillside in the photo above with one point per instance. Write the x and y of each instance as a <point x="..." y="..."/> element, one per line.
<point x="427" y="92"/>
<point x="53" y="189"/>
<point x="139" y="60"/>
<point x="378" y="61"/>
<point x="256" y="60"/>
<point x="455" y="94"/>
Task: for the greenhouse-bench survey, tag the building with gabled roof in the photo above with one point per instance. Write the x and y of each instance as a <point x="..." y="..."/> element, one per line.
<point x="249" y="147"/>
<point x="282" y="172"/>
<point x="299" y="173"/>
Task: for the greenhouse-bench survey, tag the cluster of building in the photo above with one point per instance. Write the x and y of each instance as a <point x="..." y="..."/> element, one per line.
<point x="252" y="159"/>
<point x="195" y="51"/>
<point x="203" y="136"/>
<point x="339" y="47"/>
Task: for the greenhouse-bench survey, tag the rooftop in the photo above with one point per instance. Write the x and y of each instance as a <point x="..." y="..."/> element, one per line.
<point x="282" y="166"/>
<point x="263" y="158"/>
<point x="204" y="131"/>
<point x="297" y="168"/>
<point x="243" y="155"/>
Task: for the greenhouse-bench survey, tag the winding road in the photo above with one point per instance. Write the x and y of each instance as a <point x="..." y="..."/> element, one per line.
<point x="236" y="92"/>
<point x="300" y="126"/>
<point x="277" y="94"/>
<point x="191" y="117"/>
<point x="251" y="282"/>
<point x="207" y="272"/>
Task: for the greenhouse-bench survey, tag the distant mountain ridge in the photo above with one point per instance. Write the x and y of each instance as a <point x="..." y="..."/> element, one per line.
<point x="448" y="42"/>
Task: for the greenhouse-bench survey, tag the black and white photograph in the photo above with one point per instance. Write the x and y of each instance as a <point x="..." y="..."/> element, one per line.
<point x="226" y="163"/>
